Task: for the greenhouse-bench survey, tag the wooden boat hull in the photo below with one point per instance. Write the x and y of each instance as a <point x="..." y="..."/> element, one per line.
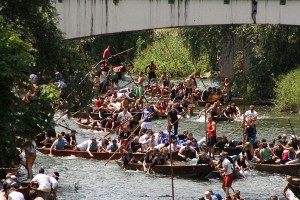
<point x="291" y="170"/>
<point x="181" y="170"/>
<point x="97" y="155"/>
<point x="85" y="126"/>
<point x="4" y="171"/>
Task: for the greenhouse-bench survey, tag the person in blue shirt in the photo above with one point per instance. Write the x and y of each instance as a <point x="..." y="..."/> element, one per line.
<point x="147" y="116"/>
<point x="59" y="143"/>
<point x="217" y="194"/>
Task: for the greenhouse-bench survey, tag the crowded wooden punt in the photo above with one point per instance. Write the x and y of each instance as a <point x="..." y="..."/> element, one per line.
<point x="179" y="169"/>
<point x="287" y="169"/>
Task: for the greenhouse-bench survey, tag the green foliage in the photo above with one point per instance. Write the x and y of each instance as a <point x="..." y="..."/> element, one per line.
<point x="28" y="33"/>
<point x="118" y="42"/>
<point x="168" y="53"/>
<point x="288" y="92"/>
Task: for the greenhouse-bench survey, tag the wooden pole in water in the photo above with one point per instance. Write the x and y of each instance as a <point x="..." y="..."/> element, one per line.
<point x="171" y="158"/>
<point x="244" y="81"/>
<point x="205" y="128"/>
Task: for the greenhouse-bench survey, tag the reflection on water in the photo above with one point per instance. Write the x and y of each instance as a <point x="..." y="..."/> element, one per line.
<point x="90" y="179"/>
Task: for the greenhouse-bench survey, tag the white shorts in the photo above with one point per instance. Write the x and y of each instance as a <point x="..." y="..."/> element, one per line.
<point x="54" y="185"/>
<point x="147" y="125"/>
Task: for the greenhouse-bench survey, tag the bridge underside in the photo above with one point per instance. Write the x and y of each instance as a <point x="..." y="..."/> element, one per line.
<point x="84" y="18"/>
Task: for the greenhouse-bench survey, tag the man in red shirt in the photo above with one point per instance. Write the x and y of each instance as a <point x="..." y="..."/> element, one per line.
<point x="106" y="53"/>
<point x="211" y="136"/>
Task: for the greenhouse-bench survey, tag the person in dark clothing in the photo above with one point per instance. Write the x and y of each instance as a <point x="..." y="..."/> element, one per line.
<point x="173" y="119"/>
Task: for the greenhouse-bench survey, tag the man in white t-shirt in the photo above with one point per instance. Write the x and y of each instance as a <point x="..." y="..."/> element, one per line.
<point x="227" y="171"/>
<point x="43" y="180"/>
<point x="15" y="195"/>
<point x="124" y="117"/>
<point x="91" y="145"/>
<point x="250" y="116"/>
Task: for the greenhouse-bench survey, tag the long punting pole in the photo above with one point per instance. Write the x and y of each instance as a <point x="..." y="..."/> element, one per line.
<point x="244" y="79"/>
<point x="171" y="157"/>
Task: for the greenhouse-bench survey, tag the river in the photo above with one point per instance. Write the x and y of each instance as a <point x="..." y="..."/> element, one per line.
<point x="90" y="179"/>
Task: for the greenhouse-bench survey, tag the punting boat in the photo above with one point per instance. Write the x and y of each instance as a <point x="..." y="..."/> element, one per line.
<point x="4" y="171"/>
<point x="222" y="119"/>
<point x="97" y="155"/>
<point x="85" y="154"/>
<point x="88" y="126"/>
<point x="182" y="170"/>
<point x="291" y="169"/>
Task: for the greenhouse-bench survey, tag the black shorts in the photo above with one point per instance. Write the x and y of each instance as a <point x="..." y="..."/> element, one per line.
<point x="151" y="75"/>
<point x="211" y="141"/>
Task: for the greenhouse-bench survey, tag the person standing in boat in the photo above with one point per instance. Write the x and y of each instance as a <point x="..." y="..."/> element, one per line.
<point x="151" y="75"/>
<point x="106" y="53"/>
<point x="172" y="115"/>
<point x="227" y="90"/>
<point x="227" y="172"/>
<point x="211" y="136"/>
<point x="139" y="86"/>
<point x="251" y="114"/>
<point x="147" y="115"/>
<point x="165" y="83"/>
<point x="124" y="117"/>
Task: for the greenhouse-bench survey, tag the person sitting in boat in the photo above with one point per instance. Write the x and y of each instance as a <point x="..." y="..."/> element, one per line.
<point x="205" y="110"/>
<point x="43" y="181"/>
<point x="295" y="142"/>
<point x="73" y="141"/>
<point x="158" y="160"/>
<point x="114" y="105"/>
<point x="235" y="110"/>
<point x="203" y="159"/>
<point x="10" y="181"/>
<point x="209" y="196"/>
<point x="135" y="145"/>
<point x="13" y="194"/>
<point x="174" y="146"/>
<point x="195" y="145"/>
<point x="103" y="142"/>
<point x="108" y="124"/>
<point x="293" y="184"/>
<point x="59" y="143"/>
<point x="288" y="153"/>
<point x="113" y="147"/>
<point x="284" y="139"/>
<point x="33" y="195"/>
<point x="256" y="153"/>
<point x="240" y="163"/>
<point x="148" y="159"/>
<point x="183" y="136"/>
<point x="236" y="195"/>
<point x="296" y="160"/>
<point x="152" y="142"/>
<point x="214" y="110"/>
<point x="227" y="113"/>
<point x="187" y="151"/>
<point x="91" y="145"/>
<point x="144" y="138"/>
<point x="215" y="193"/>
<point x="266" y="155"/>
<point x="221" y="143"/>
